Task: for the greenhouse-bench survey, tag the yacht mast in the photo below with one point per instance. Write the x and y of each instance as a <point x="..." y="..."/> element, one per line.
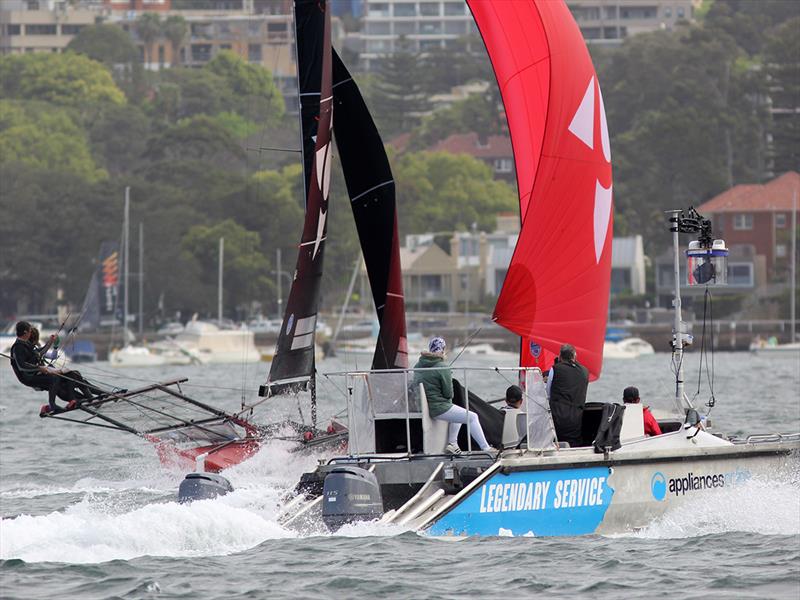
<point x="126" y="272"/>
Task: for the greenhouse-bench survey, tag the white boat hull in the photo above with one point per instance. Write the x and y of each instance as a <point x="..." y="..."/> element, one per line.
<point x="577" y="492"/>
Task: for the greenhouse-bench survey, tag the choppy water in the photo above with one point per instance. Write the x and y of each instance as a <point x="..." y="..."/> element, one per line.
<point x="89" y="513"/>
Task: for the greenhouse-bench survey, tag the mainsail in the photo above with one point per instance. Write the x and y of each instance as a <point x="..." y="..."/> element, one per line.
<point x="371" y="188"/>
<point x="557" y="286"/>
<point x="293" y="365"/>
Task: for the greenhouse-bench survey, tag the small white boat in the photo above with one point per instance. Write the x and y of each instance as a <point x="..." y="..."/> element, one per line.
<point x="631" y="347"/>
<point x="206" y="343"/>
<point x="136" y="356"/>
<point x="771" y="346"/>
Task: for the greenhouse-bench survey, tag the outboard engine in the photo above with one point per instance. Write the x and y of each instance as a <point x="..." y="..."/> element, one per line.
<point x="202" y="486"/>
<point x="350" y="494"/>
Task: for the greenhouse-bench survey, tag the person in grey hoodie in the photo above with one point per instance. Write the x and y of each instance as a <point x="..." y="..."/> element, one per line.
<point x="438" y="386"/>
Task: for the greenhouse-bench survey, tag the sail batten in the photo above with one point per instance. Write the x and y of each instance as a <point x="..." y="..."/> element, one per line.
<point x="556" y="289"/>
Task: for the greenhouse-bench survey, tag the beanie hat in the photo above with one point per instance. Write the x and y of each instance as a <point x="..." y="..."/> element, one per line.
<point x="437" y="345"/>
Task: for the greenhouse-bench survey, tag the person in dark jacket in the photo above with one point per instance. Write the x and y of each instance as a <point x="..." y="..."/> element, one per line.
<point x="566" y="386"/>
<point x="438" y="386"/>
<point x="630" y="395"/>
<point x="26" y="363"/>
<point x="72" y="385"/>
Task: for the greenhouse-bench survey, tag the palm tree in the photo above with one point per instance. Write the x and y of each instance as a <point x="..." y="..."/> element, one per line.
<point x="148" y="26"/>
<point x="175" y="30"/>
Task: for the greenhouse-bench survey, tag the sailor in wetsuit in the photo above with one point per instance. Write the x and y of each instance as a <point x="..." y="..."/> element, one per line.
<point x="566" y="387"/>
<point x="72" y="385"/>
<point x="30" y="371"/>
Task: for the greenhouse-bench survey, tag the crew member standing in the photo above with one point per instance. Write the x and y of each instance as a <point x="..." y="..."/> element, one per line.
<point x="566" y="387"/>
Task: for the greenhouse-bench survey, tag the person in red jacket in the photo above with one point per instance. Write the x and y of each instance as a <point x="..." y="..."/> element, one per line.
<point x="631" y="396"/>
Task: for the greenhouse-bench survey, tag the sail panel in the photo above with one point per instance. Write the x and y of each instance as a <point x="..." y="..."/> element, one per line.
<point x="293" y="365"/>
<point x="557" y="286"/>
<point x="371" y="188"/>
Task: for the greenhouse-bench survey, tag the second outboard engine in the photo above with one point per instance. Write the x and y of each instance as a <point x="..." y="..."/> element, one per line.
<point x="350" y="494"/>
<point x="202" y="486"/>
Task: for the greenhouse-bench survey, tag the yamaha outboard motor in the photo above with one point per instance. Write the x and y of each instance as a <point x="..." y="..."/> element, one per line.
<point x="202" y="486"/>
<point x="350" y="494"/>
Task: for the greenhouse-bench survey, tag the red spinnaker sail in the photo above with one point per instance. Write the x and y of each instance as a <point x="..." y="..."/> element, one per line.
<point x="557" y="286"/>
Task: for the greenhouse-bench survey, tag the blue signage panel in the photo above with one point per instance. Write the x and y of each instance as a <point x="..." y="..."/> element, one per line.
<point x="540" y="503"/>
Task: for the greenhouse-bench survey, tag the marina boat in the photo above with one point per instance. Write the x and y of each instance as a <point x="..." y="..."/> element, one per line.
<point x="771" y="346"/>
<point x="205" y="343"/>
<point x="396" y="469"/>
<point x="631" y="347"/>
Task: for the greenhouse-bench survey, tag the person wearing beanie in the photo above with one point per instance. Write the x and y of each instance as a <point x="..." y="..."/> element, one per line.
<point x="631" y="396"/>
<point x="437" y="379"/>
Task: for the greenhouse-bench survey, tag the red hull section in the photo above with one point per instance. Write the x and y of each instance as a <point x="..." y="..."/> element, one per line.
<point x="219" y="457"/>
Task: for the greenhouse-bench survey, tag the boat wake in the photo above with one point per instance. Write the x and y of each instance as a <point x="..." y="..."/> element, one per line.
<point x="123" y="520"/>
<point x="756" y="506"/>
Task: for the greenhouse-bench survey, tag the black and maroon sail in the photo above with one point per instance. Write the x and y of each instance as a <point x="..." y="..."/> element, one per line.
<point x="293" y="365"/>
<point x="371" y="188"/>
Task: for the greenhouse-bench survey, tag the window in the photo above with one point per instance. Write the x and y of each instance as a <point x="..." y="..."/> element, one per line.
<point x="377" y="45"/>
<point x="254" y="53"/>
<point x="379" y="9"/>
<point x="610" y="12"/>
<point x="379" y="28"/>
<point x="12" y="29"/>
<point x="666" y="276"/>
<point x="591" y="33"/>
<point x="224" y="46"/>
<point x="405" y="28"/>
<point x="71" y="29"/>
<point x="780" y="251"/>
<point x="740" y="274"/>
<point x="609" y="33"/>
<point x="780" y="220"/>
<point x="464" y="277"/>
<point x="429" y="9"/>
<point x="742" y="221"/>
<point x="277" y="32"/>
<point x="620" y="280"/>
<point x="201" y="52"/>
<point x="641" y="12"/>
<point x="586" y="13"/>
<point x="431" y="284"/>
<point x="425" y="45"/>
<point x="455" y="27"/>
<point x="680" y="12"/>
<point x="430" y="27"/>
<point x="40" y="29"/>
<point x="161" y="58"/>
<point x="668" y="12"/>
<point x="452" y="9"/>
<point x="469" y="246"/>
<point x="405" y="10"/>
<point x="503" y="165"/>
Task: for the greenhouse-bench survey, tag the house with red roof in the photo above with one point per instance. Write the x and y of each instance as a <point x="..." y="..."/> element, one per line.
<point x="494" y="150"/>
<point x="755" y="220"/>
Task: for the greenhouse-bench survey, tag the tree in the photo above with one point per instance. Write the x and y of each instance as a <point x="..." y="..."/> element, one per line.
<point x="62" y="79"/>
<point x="119" y="137"/>
<point x="148" y="27"/>
<point x="782" y="58"/>
<point x="246" y="268"/>
<point x="175" y="30"/>
<point x="252" y="91"/>
<point x="112" y="46"/>
<point x="478" y="113"/>
<point x="46" y="137"/>
<point x="398" y="99"/>
<point x="199" y="137"/>
<point x="442" y="191"/>
<point x="454" y="65"/>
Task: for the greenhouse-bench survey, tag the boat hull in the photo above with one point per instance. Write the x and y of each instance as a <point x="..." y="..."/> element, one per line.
<point x="588" y="495"/>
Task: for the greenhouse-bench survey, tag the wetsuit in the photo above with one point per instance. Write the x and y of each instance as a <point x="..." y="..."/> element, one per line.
<point x="26" y="361"/>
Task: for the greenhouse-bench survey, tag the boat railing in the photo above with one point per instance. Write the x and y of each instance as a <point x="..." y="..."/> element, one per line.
<point x="384" y="407"/>
<point x="759" y="438"/>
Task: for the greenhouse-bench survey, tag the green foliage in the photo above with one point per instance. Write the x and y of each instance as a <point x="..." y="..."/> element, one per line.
<point x="119" y="136"/>
<point x="440" y="191"/>
<point x="398" y="99"/>
<point x="479" y="112"/>
<point x="782" y="58"/>
<point x="445" y="68"/>
<point x="61" y="79"/>
<point x="149" y="28"/>
<point x="176" y="30"/>
<point x="236" y="125"/>
<point x="251" y="90"/>
<point x="45" y="137"/>
<point x="107" y="44"/>
<point x="246" y="269"/>
<point x="199" y="137"/>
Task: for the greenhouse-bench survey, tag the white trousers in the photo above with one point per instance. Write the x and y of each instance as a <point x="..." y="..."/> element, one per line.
<point x="457" y="416"/>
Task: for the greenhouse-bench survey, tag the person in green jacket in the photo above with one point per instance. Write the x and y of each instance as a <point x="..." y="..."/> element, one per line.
<point x="438" y="386"/>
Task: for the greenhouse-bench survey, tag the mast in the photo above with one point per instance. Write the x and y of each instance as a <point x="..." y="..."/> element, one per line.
<point x="219" y="280"/>
<point x="141" y="280"/>
<point x="677" y="327"/>
<point x="793" y="278"/>
<point x="126" y="234"/>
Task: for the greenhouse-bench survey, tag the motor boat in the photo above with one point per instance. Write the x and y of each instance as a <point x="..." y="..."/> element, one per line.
<point x="631" y="347"/>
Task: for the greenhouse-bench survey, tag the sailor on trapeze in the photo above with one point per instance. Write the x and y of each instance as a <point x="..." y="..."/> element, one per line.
<point x="27" y="360"/>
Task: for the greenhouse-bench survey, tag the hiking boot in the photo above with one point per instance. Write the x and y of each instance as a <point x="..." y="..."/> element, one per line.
<point x="452" y="449"/>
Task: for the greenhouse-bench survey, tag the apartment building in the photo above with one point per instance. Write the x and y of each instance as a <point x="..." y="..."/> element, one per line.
<point x="412" y="25"/>
<point x="41" y="25"/>
<point x="611" y="21"/>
